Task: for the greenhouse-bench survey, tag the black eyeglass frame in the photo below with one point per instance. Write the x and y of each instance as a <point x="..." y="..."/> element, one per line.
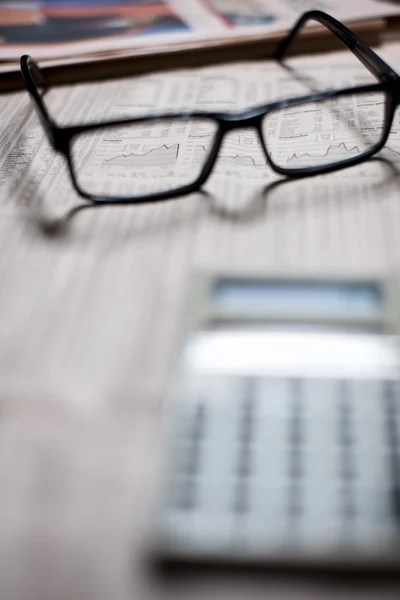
<point x="61" y="138"/>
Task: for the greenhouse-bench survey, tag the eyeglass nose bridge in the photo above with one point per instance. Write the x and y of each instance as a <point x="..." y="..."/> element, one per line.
<point x="237" y="121"/>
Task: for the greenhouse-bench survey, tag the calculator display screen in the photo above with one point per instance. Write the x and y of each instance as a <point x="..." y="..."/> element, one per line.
<point x="303" y="299"/>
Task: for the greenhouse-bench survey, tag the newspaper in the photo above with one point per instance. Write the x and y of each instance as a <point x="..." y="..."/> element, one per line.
<point x="91" y="304"/>
<point x="150" y="157"/>
<point x="55" y="31"/>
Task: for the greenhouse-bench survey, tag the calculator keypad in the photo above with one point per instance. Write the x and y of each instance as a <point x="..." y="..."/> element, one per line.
<point x="263" y="467"/>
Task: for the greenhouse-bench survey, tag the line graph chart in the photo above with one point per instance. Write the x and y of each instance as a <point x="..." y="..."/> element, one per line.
<point x="336" y="153"/>
<point x="233" y="154"/>
<point x="158" y="156"/>
<point x="245" y="161"/>
<point x="333" y="152"/>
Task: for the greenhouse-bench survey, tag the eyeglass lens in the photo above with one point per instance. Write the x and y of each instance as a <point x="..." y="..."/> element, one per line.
<point x="324" y="132"/>
<point x="138" y="159"/>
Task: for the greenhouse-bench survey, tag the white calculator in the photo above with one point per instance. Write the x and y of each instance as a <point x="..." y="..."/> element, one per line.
<point x="283" y="424"/>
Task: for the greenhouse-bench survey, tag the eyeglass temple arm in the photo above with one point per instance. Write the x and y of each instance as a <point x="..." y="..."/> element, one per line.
<point x="35" y="79"/>
<point x="362" y="51"/>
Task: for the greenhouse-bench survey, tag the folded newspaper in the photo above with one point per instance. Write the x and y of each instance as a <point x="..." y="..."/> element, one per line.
<point x="65" y="32"/>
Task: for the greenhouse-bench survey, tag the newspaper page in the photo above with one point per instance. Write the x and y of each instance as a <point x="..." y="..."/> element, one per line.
<point x="164" y="154"/>
<point x="84" y="287"/>
<point x="50" y="30"/>
<point x="92" y="298"/>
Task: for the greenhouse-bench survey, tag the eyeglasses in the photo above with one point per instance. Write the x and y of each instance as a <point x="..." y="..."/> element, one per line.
<point x="155" y="158"/>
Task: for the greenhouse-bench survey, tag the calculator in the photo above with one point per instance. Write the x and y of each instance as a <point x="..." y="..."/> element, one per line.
<point x="282" y="436"/>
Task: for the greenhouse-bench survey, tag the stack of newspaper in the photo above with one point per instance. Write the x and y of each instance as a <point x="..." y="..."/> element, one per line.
<point x="102" y="36"/>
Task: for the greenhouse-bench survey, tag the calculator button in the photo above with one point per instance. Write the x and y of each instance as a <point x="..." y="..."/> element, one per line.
<point x="320" y="399"/>
<point x="274" y="398"/>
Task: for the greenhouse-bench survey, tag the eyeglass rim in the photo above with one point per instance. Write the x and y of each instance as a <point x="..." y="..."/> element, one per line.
<point x="389" y="82"/>
<point x="223" y="122"/>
